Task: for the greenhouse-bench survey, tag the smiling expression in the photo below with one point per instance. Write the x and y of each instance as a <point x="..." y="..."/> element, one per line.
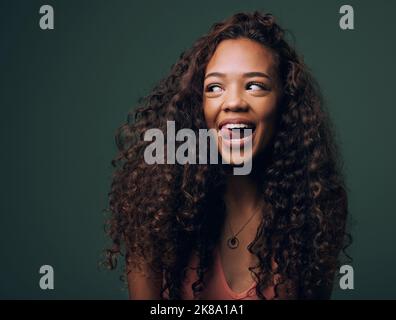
<point x="241" y="91"/>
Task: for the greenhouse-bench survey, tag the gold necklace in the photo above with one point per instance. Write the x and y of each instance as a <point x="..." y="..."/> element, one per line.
<point x="233" y="241"/>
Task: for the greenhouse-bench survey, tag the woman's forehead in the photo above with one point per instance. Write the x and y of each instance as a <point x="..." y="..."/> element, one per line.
<point x="240" y="56"/>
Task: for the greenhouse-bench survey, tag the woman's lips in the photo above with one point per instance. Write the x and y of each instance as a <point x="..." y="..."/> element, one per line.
<point x="236" y="137"/>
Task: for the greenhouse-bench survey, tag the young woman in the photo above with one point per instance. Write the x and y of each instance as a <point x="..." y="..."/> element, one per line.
<point x="198" y="231"/>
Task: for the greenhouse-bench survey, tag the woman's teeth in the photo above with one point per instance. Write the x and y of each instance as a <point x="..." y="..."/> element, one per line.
<point x="237" y="126"/>
<point x="236" y="131"/>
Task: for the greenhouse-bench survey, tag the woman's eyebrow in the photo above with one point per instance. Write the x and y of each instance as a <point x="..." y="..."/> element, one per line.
<point x="245" y="75"/>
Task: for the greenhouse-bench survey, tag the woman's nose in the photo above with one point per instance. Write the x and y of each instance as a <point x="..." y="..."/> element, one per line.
<point x="234" y="101"/>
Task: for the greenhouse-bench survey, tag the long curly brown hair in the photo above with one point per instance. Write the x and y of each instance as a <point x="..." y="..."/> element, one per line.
<point x="162" y="213"/>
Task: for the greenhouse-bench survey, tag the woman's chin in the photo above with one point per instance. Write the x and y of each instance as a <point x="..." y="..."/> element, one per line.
<point x="236" y="158"/>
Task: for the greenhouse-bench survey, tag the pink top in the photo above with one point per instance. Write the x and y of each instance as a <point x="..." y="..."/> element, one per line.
<point x="217" y="287"/>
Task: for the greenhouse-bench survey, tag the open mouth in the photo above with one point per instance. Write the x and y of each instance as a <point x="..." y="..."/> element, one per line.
<point x="236" y="133"/>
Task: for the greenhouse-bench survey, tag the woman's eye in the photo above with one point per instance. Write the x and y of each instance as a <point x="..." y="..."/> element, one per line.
<point x="214" y="88"/>
<point x="254" y="86"/>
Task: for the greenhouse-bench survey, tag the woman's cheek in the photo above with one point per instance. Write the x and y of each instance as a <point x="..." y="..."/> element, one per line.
<point x="264" y="134"/>
<point x="210" y="115"/>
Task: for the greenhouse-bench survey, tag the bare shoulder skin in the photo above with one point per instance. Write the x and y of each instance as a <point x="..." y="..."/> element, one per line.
<point x="143" y="283"/>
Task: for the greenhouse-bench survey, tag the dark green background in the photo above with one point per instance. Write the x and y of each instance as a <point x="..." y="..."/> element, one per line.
<point x="65" y="91"/>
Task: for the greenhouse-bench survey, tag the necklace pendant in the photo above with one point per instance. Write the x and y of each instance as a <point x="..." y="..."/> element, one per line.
<point x="233" y="243"/>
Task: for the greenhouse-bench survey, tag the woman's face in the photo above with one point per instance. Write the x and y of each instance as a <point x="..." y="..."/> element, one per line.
<point x="241" y="91"/>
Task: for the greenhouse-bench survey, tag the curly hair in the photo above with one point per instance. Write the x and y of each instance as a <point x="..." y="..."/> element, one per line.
<point x="162" y="213"/>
